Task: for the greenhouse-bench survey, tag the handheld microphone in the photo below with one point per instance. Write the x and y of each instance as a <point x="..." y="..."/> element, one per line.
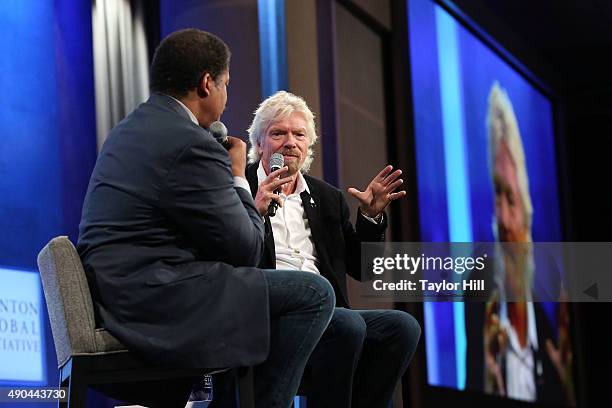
<point x="219" y="132"/>
<point x="276" y="162"/>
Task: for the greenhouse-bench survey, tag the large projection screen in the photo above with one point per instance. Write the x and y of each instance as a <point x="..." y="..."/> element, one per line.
<point x="464" y="94"/>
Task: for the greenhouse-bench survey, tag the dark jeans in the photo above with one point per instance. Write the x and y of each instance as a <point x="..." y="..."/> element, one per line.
<point x="301" y="306"/>
<point x="360" y="358"/>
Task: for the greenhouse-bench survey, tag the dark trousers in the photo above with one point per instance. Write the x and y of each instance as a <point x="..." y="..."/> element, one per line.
<point x="301" y="305"/>
<point x="360" y="358"/>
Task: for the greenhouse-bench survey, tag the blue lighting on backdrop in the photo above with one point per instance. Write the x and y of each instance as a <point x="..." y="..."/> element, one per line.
<point x="29" y="147"/>
<point x="47" y="152"/>
<point x="272" y="46"/>
<point x="457" y="183"/>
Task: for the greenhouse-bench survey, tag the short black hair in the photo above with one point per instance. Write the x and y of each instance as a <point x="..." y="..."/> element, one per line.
<point x="183" y="57"/>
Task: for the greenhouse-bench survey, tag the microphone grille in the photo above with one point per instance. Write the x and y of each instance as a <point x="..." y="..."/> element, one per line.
<point x="218" y="130"/>
<point x="276" y="161"/>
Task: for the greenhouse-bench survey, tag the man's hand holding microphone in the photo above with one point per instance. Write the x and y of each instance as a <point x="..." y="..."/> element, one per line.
<point x="236" y="148"/>
<point x="267" y="198"/>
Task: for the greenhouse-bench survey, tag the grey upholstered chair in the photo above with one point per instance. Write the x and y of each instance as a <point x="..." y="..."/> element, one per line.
<point x="90" y="356"/>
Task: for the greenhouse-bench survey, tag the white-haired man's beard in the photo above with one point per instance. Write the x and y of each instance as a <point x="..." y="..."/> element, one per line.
<point x="293" y="160"/>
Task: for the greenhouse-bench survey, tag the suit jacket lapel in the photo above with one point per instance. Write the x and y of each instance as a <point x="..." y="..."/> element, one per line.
<point x="312" y="209"/>
<point x="251" y="176"/>
<point x="269" y="242"/>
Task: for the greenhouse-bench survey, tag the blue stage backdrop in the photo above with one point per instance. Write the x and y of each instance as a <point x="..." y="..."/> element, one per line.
<point x="452" y="75"/>
<point x="47" y="152"/>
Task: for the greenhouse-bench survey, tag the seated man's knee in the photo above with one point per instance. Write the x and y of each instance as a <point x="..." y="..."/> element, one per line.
<point x="407" y="328"/>
<point x="324" y="289"/>
<point x="348" y="327"/>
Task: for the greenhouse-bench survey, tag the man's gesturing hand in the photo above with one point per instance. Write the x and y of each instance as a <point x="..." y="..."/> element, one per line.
<point x="265" y="191"/>
<point x="380" y="192"/>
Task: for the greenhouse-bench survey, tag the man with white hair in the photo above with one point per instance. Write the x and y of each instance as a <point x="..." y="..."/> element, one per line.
<point x="518" y="356"/>
<point x="363" y="353"/>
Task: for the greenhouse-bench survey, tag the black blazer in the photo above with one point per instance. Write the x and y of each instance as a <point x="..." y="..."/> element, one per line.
<point x="338" y="244"/>
<point x="170" y="246"/>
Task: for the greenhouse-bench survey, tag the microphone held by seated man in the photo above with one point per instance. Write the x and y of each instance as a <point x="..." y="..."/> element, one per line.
<point x="170" y="239"/>
<point x="363" y="353"/>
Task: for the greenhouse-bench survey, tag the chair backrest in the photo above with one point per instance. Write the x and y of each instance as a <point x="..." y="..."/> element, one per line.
<point x="68" y="299"/>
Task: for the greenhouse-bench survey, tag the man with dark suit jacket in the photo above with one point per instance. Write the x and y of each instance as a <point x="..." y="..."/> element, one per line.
<point x="363" y="353"/>
<point x="170" y="237"/>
